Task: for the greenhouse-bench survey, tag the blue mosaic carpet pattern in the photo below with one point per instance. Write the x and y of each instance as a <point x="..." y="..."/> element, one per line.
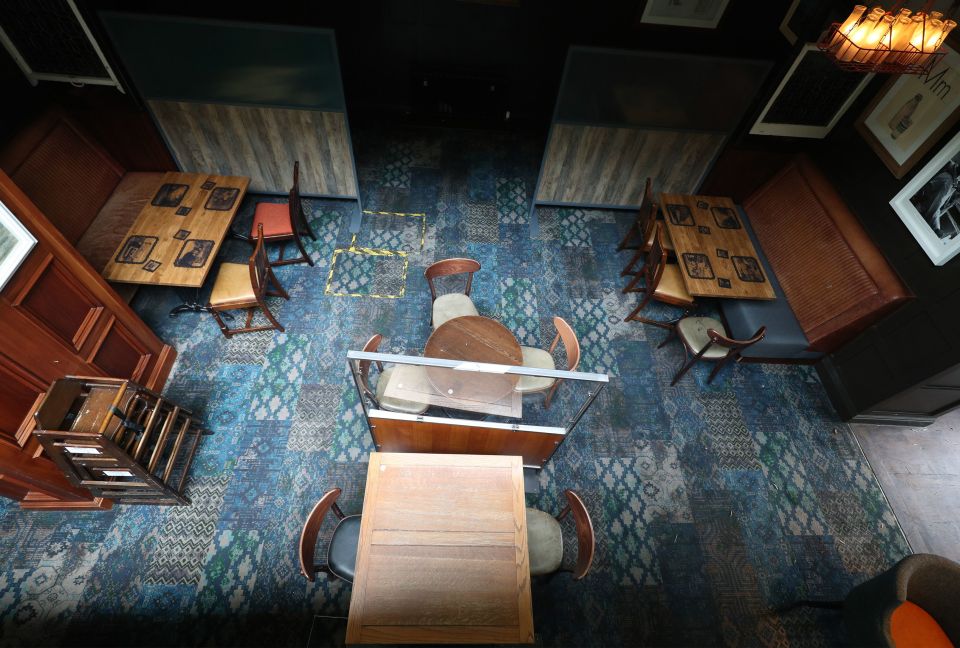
<point x="711" y="503"/>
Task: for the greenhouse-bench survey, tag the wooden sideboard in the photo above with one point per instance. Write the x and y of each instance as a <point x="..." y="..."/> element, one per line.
<point x="58" y="317"/>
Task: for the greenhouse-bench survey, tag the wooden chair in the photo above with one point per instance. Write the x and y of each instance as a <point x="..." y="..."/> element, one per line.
<point x="246" y="285"/>
<point x="378" y="396"/>
<point x="704" y="338"/>
<point x="447" y="307"/>
<point x="662" y="282"/>
<point x="540" y="359"/>
<point x="642" y="232"/>
<point x="342" y="548"/>
<point x="283" y="222"/>
<point x="545" y="539"/>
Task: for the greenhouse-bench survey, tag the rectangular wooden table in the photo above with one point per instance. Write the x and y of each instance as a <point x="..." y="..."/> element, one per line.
<point x="442" y="556"/>
<point x="714" y="250"/>
<point x="176" y="237"/>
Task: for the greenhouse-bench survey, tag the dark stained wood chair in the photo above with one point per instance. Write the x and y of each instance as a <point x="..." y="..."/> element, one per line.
<point x="640" y="235"/>
<point x="455" y="304"/>
<point x="246" y="286"/>
<point x="704" y="338"/>
<point x="378" y="395"/>
<point x="284" y="222"/>
<point x="662" y="282"/>
<point x="540" y="359"/>
<point x="342" y="548"/>
<point x="545" y="539"/>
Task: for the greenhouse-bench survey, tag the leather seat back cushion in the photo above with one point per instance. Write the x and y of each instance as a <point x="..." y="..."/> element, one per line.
<point x="451" y="306"/>
<point x="671" y="284"/>
<point x="537" y="359"/>
<point x="912" y="627"/>
<point x="544" y="542"/>
<point x="342" y="551"/>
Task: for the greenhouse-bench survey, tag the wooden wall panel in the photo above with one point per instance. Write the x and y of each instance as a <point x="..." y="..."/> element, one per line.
<point x="462" y="437"/>
<point x="120" y="354"/>
<point x="601" y="165"/>
<point x="262" y="143"/>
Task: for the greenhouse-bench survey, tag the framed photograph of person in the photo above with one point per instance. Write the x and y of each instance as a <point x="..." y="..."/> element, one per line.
<point x="929" y="205"/>
<point x="911" y="113"/>
<point x="684" y="13"/>
<point x="16" y="241"/>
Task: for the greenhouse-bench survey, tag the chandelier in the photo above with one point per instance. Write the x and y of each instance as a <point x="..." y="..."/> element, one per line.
<point x="882" y="41"/>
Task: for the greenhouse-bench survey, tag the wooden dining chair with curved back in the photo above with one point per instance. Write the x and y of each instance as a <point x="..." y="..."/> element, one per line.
<point x="641" y="232"/>
<point x="705" y="338"/>
<point x="246" y="286"/>
<point x="454" y="304"/>
<point x="341" y="550"/>
<point x="378" y="395"/>
<point x="285" y="222"/>
<point x="543" y="359"/>
<point x="661" y="281"/>
<point x="545" y="539"/>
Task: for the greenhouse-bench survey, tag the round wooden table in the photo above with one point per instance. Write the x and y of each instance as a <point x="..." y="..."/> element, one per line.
<point x="473" y="338"/>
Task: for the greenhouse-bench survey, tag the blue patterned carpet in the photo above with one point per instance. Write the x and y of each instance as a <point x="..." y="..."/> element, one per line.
<point x="711" y="503"/>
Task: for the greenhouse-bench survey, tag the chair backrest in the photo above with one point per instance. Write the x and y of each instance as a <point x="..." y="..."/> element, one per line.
<point x="570" y="342"/>
<point x="363" y="367"/>
<point x="259" y="266"/>
<point x="656" y="260"/>
<point x="311" y="528"/>
<point x="298" y="221"/>
<point x="735" y="346"/>
<point x="647" y="215"/>
<point x="449" y="267"/>
<point x="586" y="540"/>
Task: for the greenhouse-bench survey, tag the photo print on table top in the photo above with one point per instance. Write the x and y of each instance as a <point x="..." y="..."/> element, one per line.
<point x="170" y="195"/>
<point x="136" y="249"/>
<point x="748" y="269"/>
<point x="698" y="265"/>
<point x="725" y="217"/>
<point x="152" y="265"/>
<point x="194" y="253"/>
<point x="222" y="199"/>
<point x="680" y="215"/>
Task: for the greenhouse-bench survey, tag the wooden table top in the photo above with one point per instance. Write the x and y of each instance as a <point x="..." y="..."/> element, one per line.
<point x="714" y="250"/>
<point x="176" y="237"/>
<point x="442" y="556"/>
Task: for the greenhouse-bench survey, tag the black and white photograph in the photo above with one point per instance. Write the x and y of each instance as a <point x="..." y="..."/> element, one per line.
<point x="929" y="205"/>
<point x="15" y="244"/>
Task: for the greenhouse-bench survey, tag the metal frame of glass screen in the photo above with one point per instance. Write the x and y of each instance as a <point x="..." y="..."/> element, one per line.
<point x="599" y="381"/>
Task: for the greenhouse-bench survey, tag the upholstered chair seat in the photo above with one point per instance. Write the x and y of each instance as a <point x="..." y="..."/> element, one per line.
<point x="398" y="404"/>
<point x="671" y="284"/>
<point x="450" y="306"/>
<point x="536" y="359"/>
<point x="342" y="550"/>
<point x="694" y="331"/>
<point x="275" y="218"/>
<point x="544" y="542"/>
<point x="232" y="287"/>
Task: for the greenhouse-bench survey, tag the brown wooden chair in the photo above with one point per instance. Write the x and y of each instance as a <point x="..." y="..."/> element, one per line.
<point x="378" y="396"/>
<point x="662" y="282"/>
<point x="457" y="304"/>
<point x="284" y="222"/>
<point x="704" y="338"/>
<point x="342" y="548"/>
<point x="540" y="359"/>
<point x="246" y="285"/>
<point x="640" y="235"/>
<point x="545" y="539"/>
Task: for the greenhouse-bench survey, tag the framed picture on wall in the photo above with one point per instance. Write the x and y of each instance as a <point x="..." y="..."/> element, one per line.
<point x="16" y="241"/>
<point x="911" y="113"/>
<point x="811" y="98"/>
<point x="684" y="13"/>
<point x="929" y="205"/>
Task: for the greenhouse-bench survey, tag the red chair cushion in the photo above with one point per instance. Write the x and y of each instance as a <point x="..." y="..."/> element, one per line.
<point x="912" y="627"/>
<point x="275" y="218"/>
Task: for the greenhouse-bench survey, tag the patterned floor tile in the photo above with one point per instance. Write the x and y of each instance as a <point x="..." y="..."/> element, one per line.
<point x="512" y="201"/>
<point x="360" y="273"/>
<point x="482" y="226"/>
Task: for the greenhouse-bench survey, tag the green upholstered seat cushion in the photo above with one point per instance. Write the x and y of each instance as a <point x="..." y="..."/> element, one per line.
<point x="544" y="542"/>
<point x="397" y="404"/>
<point x="448" y="307"/>
<point x="694" y="331"/>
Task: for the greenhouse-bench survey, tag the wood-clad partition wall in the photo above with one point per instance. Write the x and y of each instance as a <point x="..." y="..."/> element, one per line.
<point x="622" y="116"/>
<point x="243" y="99"/>
<point x="447" y="436"/>
<point x="598" y="165"/>
<point x="58" y="317"/>
<point x="262" y="143"/>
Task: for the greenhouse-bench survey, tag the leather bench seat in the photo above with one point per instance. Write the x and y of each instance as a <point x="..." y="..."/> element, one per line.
<point x="785" y="338"/>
